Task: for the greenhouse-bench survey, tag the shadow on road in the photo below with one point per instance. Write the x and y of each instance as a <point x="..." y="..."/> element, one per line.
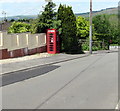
<point x="26" y="74"/>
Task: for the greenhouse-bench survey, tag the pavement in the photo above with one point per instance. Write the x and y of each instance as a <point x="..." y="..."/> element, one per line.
<point x="21" y="64"/>
<point x="32" y="63"/>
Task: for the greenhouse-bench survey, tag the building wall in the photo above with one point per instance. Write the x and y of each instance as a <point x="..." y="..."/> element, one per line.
<point x="4" y="26"/>
<point x="21" y="44"/>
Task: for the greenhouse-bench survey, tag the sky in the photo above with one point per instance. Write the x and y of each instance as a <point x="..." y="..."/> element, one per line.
<point x="34" y="7"/>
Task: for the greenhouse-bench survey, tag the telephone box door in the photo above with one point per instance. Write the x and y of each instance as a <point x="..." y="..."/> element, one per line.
<point x="52" y="41"/>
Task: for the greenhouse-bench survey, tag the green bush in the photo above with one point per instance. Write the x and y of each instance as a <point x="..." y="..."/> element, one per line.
<point x="85" y="47"/>
<point x="95" y="46"/>
<point x="19" y="27"/>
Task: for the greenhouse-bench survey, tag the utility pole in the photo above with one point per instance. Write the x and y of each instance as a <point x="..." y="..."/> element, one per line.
<point x="90" y="32"/>
<point x="48" y="0"/>
<point x="4" y="14"/>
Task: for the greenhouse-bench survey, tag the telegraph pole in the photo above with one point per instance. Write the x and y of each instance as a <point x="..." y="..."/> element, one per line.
<point x="4" y="14"/>
<point x="90" y="32"/>
<point x="48" y="0"/>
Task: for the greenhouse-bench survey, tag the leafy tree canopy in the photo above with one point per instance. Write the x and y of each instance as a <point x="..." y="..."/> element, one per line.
<point x="114" y="30"/>
<point x="82" y="27"/>
<point x="106" y="27"/>
<point x="19" y="27"/>
<point x="101" y="24"/>
<point x="102" y="28"/>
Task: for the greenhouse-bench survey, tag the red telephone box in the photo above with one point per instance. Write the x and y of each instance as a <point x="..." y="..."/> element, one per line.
<point x="53" y="41"/>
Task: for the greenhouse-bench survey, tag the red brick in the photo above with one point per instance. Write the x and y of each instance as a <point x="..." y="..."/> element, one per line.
<point x="4" y="54"/>
<point x="41" y="49"/>
<point x="16" y="53"/>
<point x="45" y="49"/>
<point x="32" y="51"/>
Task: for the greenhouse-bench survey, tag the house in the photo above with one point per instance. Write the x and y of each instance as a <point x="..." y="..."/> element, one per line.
<point x="4" y="26"/>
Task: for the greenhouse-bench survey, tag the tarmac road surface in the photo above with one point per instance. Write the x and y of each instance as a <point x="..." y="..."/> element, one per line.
<point x="86" y="83"/>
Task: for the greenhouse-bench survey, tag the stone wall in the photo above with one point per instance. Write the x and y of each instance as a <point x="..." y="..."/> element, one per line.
<point x="21" y="44"/>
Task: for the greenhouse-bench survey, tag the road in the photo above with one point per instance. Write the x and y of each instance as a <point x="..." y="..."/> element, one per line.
<point x="85" y="83"/>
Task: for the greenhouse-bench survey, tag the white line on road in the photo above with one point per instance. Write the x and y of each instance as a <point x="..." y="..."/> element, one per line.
<point x="117" y="108"/>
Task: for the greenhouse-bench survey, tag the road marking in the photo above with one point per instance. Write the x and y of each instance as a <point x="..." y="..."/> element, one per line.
<point x="117" y="108"/>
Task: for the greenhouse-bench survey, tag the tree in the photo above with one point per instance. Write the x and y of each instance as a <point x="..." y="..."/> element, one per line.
<point x="46" y="20"/>
<point x="102" y="28"/>
<point x="106" y="27"/>
<point x="19" y="27"/>
<point x="114" y="31"/>
<point x="69" y="29"/>
<point x="82" y="28"/>
<point x="119" y="23"/>
<point x="101" y="24"/>
<point x="12" y="20"/>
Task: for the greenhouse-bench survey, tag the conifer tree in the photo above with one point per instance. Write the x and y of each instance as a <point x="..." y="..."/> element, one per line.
<point x="69" y="29"/>
<point x="45" y="20"/>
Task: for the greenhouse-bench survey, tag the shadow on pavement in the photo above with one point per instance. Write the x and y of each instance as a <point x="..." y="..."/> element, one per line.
<point x="26" y="74"/>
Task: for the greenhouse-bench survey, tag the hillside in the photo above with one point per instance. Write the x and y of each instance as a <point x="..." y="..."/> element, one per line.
<point x="21" y="17"/>
<point x="108" y="11"/>
<point x="103" y="11"/>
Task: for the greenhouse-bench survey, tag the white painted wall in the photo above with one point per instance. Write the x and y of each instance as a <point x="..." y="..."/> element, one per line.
<point x="21" y="40"/>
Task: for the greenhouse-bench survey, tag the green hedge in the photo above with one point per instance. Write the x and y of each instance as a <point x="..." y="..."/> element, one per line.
<point x="95" y="46"/>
